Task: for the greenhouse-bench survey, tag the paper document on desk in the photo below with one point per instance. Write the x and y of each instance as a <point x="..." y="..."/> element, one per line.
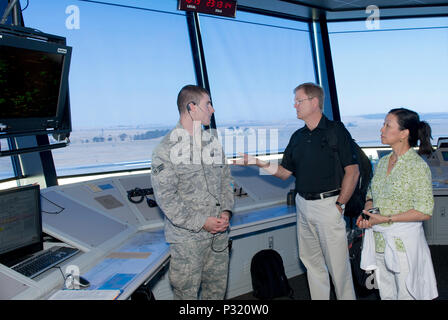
<point x="85" y="295"/>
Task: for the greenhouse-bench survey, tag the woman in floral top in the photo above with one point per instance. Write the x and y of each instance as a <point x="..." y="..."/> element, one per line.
<point x="402" y="190"/>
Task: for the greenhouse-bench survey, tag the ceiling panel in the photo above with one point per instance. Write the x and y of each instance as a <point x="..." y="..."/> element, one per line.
<point x="335" y="10"/>
<point x="343" y="5"/>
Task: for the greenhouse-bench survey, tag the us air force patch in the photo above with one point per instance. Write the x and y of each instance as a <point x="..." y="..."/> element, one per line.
<point x="158" y="169"/>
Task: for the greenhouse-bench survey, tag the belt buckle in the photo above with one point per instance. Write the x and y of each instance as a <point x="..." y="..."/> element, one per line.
<point x="322" y="195"/>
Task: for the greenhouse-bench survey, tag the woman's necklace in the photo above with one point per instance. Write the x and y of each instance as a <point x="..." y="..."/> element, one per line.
<point x="393" y="160"/>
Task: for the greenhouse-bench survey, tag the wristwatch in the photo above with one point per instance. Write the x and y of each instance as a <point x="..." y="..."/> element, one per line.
<point x="342" y="205"/>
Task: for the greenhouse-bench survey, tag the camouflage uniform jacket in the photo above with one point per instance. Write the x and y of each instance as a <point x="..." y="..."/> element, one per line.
<point x="187" y="191"/>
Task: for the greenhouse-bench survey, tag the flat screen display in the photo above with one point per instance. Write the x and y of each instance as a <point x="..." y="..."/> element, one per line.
<point x="33" y="83"/>
<point x="20" y="223"/>
<point x="445" y="155"/>
<point x="30" y="82"/>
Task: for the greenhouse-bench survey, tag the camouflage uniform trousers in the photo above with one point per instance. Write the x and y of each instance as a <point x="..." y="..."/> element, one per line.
<point x="195" y="266"/>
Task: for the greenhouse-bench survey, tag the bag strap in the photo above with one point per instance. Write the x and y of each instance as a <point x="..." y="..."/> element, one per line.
<point x="333" y="144"/>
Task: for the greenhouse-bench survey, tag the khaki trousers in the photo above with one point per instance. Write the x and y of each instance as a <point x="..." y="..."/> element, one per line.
<point x="323" y="249"/>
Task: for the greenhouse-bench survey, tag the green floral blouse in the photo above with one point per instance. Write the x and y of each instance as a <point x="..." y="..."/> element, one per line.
<point x="408" y="186"/>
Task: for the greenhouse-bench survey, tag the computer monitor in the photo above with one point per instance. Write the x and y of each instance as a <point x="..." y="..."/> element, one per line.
<point x="442" y="142"/>
<point x="382" y="153"/>
<point x="20" y="224"/>
<point x="34" y="83"/>
<point x="445" y="156"/>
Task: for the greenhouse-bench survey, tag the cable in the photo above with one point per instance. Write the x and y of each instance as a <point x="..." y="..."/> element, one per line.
<point x="218" y="204"/>
<point x="206" y="185"/>
<point x="58" y="212"/>
<point x="229" y="245"/>
<point x="143" y="194"/>
<point x="27" y="4"/>
<point x="74" y="281"/>
<point x="136" y="192"/>
<point x="65" y="278"/>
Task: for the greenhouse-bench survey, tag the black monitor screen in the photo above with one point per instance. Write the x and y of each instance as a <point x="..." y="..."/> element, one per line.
<point x="33" y="85"/>
<point x="445" y="155"/>
<point x="20" y="223"/>
<point x="29" y="83"/>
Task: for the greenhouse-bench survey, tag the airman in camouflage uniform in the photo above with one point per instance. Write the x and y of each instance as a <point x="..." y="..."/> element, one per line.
<point x="193" y="187"/>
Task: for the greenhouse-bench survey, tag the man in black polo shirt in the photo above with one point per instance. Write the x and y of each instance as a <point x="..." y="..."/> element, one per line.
<point x="320" y="198"/>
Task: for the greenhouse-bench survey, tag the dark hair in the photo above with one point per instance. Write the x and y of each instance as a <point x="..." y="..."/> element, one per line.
<point x="189" y="93"/>
<point x="312" y="90"/>
<point x="418" y="130"/>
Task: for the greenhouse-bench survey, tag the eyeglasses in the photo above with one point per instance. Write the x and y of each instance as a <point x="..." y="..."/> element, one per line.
<point x="299" y="102"/>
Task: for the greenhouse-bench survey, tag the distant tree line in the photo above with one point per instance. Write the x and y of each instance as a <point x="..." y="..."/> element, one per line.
<point x="143" y="136"/>
<point x="151" y="134"/>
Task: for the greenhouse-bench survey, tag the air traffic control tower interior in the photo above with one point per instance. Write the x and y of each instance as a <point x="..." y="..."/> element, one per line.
<point x="94" y="87"/>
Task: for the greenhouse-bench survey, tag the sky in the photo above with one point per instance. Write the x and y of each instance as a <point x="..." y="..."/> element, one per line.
<point x="129" y="63"/>
<point x="117" y="60"/>
<point x="137" y="59"/>
<point x="402" y="64"/>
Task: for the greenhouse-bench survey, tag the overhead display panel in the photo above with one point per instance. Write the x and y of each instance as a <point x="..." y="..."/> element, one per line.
<point x="225" y="8"/>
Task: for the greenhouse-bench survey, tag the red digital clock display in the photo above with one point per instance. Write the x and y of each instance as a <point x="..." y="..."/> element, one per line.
<point x="226" y="8"/>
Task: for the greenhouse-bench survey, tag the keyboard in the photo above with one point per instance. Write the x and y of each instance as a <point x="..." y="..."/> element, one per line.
<point x="44" y="260"/>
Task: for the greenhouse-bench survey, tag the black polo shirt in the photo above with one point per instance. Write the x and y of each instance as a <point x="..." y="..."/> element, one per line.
<point x="311" y="159"/>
